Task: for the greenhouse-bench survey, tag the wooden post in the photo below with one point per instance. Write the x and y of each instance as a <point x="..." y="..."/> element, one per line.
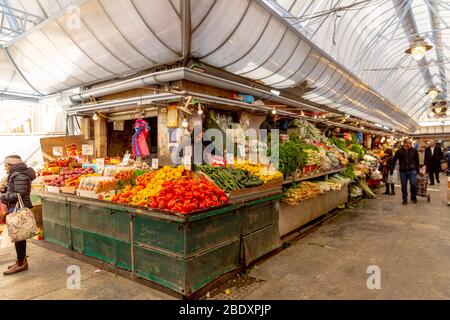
<point x="85" y="126"/>
<point x="100" y="137"/>
<point x="163" y="139"/>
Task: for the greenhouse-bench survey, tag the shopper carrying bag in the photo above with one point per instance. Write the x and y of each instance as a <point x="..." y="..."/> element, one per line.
<point x="21" y="223"/>
<point x="17" y="196"/>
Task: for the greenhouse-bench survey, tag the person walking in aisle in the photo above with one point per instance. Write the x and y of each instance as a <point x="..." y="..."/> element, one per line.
<point x="386" y="163"/>
<point x="20" y="177"/>
<point x="408" y="158"/>
<point x="433" y="157"/>
<point x="447" y="158"/>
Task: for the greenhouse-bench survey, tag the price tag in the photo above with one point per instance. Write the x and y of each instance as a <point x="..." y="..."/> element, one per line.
<point x="87" y="150"/>
<point x="126" y="159"/>
<point x="58" y="151"/>
<point x="155" y="163"/>
<point x="100" y="165"/>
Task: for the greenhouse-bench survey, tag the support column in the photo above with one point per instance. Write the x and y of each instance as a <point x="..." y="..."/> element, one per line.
<point x="100" y="137"/>
<point x="85" y="126"/>
<point x="163" y="139"/>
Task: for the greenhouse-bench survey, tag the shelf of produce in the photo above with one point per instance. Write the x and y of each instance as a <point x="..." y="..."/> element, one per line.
<point x="180" y="252"/>
<point x="294" y="217"/>
<point x="313" y="176"/>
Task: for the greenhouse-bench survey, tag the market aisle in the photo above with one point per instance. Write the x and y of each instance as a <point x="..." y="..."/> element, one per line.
<point x="47" y="279"/>
<point x="410" y="244"/>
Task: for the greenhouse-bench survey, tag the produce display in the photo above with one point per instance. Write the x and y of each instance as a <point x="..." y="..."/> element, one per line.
<point x="301" y="192"/>
<point x="356" y="192"/>
<point x="148" y="185"/>
<point x="359" y="149"/>
<point x="187" y="195"/>
<point x="69" y="178"/>
<point x="172" y="189"/>
<point x="97" y="184"/>
<point x="61" y="162"/>
<point x="291" y="157"/>
<point x="265" y="173"/>
<point x="312" y="157"/>
<point x="230" y="179"/>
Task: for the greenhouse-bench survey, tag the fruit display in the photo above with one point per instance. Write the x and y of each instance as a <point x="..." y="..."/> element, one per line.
<point x="68" y="178"/>
<point x="187" y="195"/>
<point x="97" y="184"/>
<point x="265" y="173"/>
<point x="72" y="150"/>
<point x="61" y="162"/>
<point x="230" y="179"/>
<point x="140" y="165"/>
<point x="301" y="192"/>
<point x="147" y="185"/>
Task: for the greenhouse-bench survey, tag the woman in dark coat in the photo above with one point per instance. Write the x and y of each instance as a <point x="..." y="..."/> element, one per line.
<point x="386" y="162"/>
<point x="20" y="177"/>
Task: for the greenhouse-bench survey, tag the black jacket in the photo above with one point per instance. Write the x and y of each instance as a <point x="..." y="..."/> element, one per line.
<point x="387" y="167"/>
<point x="19" y="181"/>
<point x="408" y="160"/>
<point x="435" y="159"/>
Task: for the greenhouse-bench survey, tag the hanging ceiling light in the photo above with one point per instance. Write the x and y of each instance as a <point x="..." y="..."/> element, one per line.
<point x="439" y="105"/>
<point x="200" y="110"/>
<point x="432" y="92"/>
<point x="95" y="117"/>
<point x="274" y="111"/>
<point x="185" y="123"/>
<point x="418" y="48"/>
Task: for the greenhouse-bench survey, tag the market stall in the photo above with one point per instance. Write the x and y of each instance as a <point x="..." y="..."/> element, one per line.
<point x="121" y="198"/>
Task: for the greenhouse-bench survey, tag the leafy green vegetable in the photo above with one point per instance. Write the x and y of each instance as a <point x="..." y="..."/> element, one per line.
<point x="291" y="157"/>
<point x="359" y="149"/>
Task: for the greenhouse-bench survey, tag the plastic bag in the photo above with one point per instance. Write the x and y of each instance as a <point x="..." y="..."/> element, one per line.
<point x="5" y="241"/>
<point x="393" y="178"/>
<point x="423" y="170"/>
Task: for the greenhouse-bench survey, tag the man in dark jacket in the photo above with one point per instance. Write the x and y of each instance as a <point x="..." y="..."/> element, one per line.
<point x="408" y="158"/>
<point x="19" y="182"/>
<point x="433" y="157"/>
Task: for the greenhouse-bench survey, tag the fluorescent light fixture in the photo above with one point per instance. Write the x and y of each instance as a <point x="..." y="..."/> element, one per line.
<point x="275" y="92"/>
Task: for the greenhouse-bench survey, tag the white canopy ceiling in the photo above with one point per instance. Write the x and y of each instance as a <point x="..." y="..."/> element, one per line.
<point x="103" y="39"/>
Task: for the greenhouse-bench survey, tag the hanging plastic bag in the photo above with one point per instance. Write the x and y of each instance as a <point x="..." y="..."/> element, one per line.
<point x="423" y="170"/>
<point x="139" y="140"/>
<point x="5" y="240"/>
<point x="393" y="178"/>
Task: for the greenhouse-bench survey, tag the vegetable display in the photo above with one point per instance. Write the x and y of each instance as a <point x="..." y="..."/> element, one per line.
<point x="291" y="158"/>
<point x="229" y="179"/>
<point x="148" y="185"/>
<point x="69" y="178"/>
<point x="265" y="173"/>
<point x="301" y="192"/>
<point x="187" y="195"/>
<point x="359" y="149"/>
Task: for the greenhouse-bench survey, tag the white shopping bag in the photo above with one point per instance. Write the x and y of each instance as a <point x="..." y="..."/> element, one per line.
<point x="393" y="178"/>
<point x="5" y="241"/>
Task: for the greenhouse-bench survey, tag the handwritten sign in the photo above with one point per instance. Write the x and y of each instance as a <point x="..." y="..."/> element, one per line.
<point x="126" y="159"/>
<point x="155" y="163"/>
<point x="87" y="150"/>
<point x="58" y="151"/>
<point x="100" y="165"/>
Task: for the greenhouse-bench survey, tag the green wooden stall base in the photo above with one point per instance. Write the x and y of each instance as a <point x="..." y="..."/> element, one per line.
<point x="182" y="253"/>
